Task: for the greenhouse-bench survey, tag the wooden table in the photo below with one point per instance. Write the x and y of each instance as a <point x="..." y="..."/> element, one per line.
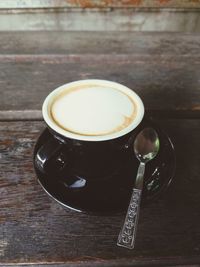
<point x="164" y="69"/>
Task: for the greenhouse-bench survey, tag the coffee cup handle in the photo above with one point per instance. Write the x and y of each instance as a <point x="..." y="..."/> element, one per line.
<point x="48" y="151"/>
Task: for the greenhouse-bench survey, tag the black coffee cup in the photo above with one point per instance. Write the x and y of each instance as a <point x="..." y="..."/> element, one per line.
<point x="96" y="154"/>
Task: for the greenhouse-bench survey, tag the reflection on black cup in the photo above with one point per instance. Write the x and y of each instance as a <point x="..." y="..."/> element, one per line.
<point x="93" y="124"/>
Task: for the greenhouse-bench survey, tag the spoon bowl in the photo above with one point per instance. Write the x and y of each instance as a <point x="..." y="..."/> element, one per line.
<point x="146" y="145"/>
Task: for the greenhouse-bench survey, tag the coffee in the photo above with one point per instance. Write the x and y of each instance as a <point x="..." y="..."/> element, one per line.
<point x="93" y="110"/>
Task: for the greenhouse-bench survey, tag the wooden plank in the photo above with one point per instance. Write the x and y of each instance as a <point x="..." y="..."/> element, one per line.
<point x="9" y="4"/>
<point x="136" y="43"/>
<point x="16" y="115"/>
<point x="101" y="19"/>
<point x="150" y="263"/>
<point x="166" y="83"/>
<point x="35" y="229"/>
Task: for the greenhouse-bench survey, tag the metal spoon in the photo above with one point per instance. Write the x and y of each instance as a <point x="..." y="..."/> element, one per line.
<point x="146" y="147"/>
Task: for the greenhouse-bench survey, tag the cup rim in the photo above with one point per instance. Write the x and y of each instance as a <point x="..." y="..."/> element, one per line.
<point x="67" y="134"/>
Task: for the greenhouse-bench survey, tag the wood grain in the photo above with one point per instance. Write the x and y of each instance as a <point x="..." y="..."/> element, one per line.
<point x="26" y="80"/>
<point x="70" y="43"/>
<point x="181" y="262"/>
<point x="33" y="64"/>
<point x="35" y="229"/>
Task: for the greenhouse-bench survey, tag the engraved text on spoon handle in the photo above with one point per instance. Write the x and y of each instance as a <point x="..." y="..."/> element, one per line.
<point x="127" y="235"/>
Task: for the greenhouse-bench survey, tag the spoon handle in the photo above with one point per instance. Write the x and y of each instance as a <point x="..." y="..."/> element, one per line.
<point x="127" y="235"/>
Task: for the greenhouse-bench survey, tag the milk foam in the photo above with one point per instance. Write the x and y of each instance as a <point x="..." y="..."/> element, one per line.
<point x="93" y="110"/>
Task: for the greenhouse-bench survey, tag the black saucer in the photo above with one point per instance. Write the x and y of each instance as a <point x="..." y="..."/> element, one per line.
<point x="111" y="193"/>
